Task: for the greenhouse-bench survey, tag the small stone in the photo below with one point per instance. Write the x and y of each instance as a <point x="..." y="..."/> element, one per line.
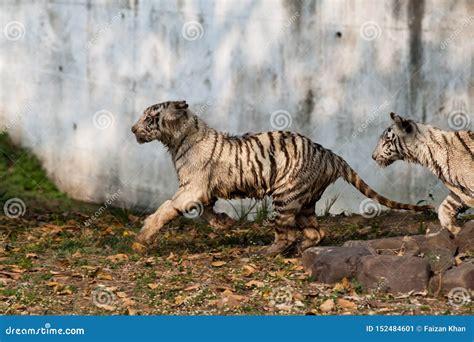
<point x="327" y="306"/>
<point x="332" y="264"/>
<point x="465" y="238"/>
<point x="393" y="274"/>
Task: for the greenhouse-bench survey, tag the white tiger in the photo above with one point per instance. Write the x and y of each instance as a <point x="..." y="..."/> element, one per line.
<point x="449" y="155"/>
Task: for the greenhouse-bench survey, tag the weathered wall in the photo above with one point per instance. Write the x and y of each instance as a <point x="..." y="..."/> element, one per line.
<point x="75" y="76"/>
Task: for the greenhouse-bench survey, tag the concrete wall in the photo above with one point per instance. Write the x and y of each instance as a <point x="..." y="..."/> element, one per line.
<point x="76" y="74"/>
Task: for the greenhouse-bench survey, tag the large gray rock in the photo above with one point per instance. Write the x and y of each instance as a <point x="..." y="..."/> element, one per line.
<point x="393" y="273"/>
<point x="332" y="264"/>
<point x="438" y="248"/>
<point x="439" y="240"/>
<point x="461" y="276"/>
<point x="400" y="245"/>
<point x="440" y="259"/>
<point x="465" y="238"/>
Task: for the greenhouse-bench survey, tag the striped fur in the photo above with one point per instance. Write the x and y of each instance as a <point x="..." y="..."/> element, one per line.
<point x="287" y="166"/>
<point x="449" y="155"/>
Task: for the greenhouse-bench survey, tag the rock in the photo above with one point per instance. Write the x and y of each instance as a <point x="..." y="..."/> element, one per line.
<point x="465" y="238"/>
<point x="332" y="264"/>
<point x="440" y="240"/>
<point x="327" y="306"/>
<point x="308" y="256"/>
<point x="393" y="273"/>
<point x="400" y="245"/>
<point x="433" y="227"/>
<point x="460" y="276"/>
<point x="440" y="259"/>
<point x="360" y="244"/>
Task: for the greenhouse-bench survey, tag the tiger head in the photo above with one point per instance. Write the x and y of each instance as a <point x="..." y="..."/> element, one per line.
<point x="161" y="122"/>
<point x="393" y="142"/>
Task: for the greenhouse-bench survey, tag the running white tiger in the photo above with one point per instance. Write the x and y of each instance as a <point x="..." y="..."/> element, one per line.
<point x="449" y="155"/>
<point x="210" y="164"/>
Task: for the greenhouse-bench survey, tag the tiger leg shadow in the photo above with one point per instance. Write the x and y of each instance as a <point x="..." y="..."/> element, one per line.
<point x="217" y="220"/>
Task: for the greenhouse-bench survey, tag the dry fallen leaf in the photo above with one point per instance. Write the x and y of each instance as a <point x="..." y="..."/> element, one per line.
<point x="77" y="255"/>
<point x="178" y="300"/>
<point x="192" y="287"/>
<point x="32" y="256"/>
<point x="120" y="257"/>
<point x="255" y="283"/>
<point x="153" y="286"/>
<point x="107" y="231"/>
<point x="106" y="307"/>
<point x="104" y="276"/>
<point x="54" y="284"/>
<point x="65" y="291"/>
<point x="218" y="263"/>
<point x="346" y="304"/>
<point x="138" y="247"/>
<point x="132" y="312"/>
<point x="343" y="286"/>
<point x="128" y="302"/>
<point x="229" y="299"/>
<point x="11" y="275"/>
<point x="248" y="270"/>
<point x="327" y="306"/>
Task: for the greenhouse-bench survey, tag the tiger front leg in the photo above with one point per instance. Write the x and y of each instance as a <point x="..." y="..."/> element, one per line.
<point x="182" y="202"/>
<point x="448" y="211"/>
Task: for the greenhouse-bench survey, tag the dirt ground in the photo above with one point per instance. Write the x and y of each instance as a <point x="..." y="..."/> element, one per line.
<point x="51" y="263"/>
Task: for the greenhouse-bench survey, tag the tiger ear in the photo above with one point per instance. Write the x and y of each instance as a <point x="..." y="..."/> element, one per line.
<point x="181" y="105"/>
<point x="401" y="123"/>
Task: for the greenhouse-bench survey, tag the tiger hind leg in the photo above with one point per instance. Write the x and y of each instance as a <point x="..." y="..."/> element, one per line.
<point x="286" y="234"/>
<point x="448" y="211"/>
<point x="307" y="221"/>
